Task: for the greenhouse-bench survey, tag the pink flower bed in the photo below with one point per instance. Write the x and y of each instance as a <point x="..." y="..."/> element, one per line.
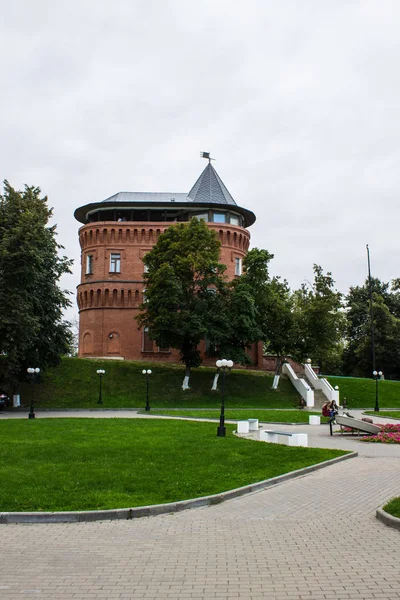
<point x="389" y="434"/>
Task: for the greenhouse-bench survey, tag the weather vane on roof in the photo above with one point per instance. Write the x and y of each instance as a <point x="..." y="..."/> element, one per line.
<point x="206" y="155"/>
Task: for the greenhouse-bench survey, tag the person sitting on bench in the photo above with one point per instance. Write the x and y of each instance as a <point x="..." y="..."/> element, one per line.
<point x="330" y="409"/>
<point x="326" y="409"/>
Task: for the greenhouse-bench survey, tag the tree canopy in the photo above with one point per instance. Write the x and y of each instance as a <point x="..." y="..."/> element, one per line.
<point x="320" y="321"/>
<point x="272" y="300"/>
<point x="32" y="331"/>
<point x="183" y="282"/>
<point x="386" y="316"/>
<point x="188" y="299"/>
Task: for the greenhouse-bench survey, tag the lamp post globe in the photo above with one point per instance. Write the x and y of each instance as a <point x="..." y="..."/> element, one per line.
<point x="224" y="366"/>
<point x="377" y="375"/>
<point x="32" y="372"/>
<point x="100" y="373"/>
<point x="147" y="372"/>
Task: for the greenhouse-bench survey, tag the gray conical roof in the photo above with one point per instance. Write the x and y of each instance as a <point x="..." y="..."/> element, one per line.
<point x="210" y="188"/>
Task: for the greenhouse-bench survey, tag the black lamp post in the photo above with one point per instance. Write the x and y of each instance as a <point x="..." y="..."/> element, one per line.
<point x="32" y="372"/>
<point x="224" y="366"/>
<point x="100" y="373"/>
<point x="377" y="376"/>
<point x="147" y="372"/>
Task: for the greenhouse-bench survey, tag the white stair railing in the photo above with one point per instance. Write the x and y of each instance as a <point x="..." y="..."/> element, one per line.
<point x="321" y="384"/>
<point x="300" y="384"/>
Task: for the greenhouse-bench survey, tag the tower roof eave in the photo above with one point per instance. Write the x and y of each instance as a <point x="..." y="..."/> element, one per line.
<point x="81" y="214"/>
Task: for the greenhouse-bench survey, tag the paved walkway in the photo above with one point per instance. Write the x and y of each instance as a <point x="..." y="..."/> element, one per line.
<point x="315" y="537"/>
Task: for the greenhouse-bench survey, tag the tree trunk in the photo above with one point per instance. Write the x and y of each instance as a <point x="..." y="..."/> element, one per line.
<point x="215" y="382"/>
<point x="278" y="368"/>
<point x="185" y="384"/>
<point x="275" y="382"/>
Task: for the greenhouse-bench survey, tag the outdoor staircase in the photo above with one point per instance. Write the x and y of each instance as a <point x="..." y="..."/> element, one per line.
<point x="319" y="397"/>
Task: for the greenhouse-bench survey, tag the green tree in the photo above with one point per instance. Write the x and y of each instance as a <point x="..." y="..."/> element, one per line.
<point x="386" y="315"/>
<point x="32" y="332"/>
<point x="273" y="305"/>
<point x="320" y="321"/>
<point x="280" y="336"/>
<point x="235" y="325"/>
<point x="185" y="289"/>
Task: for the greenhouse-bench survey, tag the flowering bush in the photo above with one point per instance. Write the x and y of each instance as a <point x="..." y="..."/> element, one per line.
<point x="389" y="434"/>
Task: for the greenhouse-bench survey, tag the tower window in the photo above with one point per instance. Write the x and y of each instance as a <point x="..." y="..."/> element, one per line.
<point x="89" y="264"/>
<point x="115" y="263"/>
<point x="147" y="341"/>
<point x="234" y="220"/>
<point x="238" y="266"/>
<point x="219" y="217"/>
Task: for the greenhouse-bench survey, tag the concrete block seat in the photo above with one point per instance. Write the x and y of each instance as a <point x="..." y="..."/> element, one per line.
<point x="284" y="437"/>
<point x="242" y="427"/>
<point x="247" y="426"/>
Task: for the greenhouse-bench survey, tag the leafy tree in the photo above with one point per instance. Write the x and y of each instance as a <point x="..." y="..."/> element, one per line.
<point x="273" y="305"/>
<point x="280" y="336"/>
<point x="32" y="332"/>
<point x="237" y="326"/>
<point x="257" y="308"/>
<point x="320" y="321"/>
<point x="184" y="290"/>
<point x="386" y="314"/>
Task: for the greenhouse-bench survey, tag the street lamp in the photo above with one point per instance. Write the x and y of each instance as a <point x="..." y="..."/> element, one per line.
<point x="377" y="376"/>
<point x="147" y="372"/>
<point x="100" y="373"/>
<point x="32" y="372"/>
<point x="224" y="366"/>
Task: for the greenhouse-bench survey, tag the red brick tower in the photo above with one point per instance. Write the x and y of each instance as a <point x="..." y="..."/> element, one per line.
<point x="115" y="236"/>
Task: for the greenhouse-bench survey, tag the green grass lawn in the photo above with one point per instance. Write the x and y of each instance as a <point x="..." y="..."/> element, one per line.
<point x="90" y="464"/>
<point x="393" y="507"/>
<point x="392" y="414"/>
<point x="75" y="384"/>
<point x="266" y="416"/>
<point x="360" y="393"/>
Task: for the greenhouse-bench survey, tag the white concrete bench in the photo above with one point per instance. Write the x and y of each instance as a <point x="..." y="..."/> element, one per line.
<point x="253" y="424"/>
<point x="284" y="437"/>
<point x="243" y="427"/>
<point x="314" y="420"/>
<point x="246" y="426"/>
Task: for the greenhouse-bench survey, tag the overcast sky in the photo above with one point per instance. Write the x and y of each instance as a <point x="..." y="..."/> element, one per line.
<point x="298" y="100"/>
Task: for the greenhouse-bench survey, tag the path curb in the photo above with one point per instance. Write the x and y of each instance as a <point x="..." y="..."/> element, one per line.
<point x="159" y="509"/>
<point x="387" y="519"/>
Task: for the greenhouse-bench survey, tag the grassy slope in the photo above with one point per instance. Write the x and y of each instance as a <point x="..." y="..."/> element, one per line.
<point x="75" y="384"/>
<point x="360" y="393"/>
<point x="78" y="464"/>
